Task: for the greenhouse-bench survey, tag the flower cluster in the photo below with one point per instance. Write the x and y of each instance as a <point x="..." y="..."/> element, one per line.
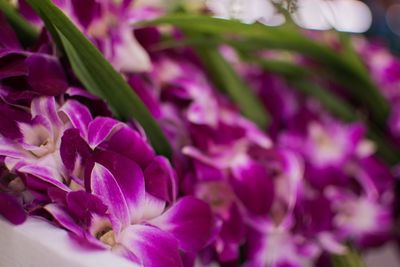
<point x="347" y="191"/>
<point x="96" y="177"/>
<point x="305" y="192"/>
<point x="384" y="67"/>
<point x="232" y="193"/>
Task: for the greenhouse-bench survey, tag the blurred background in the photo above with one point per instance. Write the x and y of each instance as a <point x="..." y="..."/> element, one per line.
<point x="377" y="19"/>
<point x="386" y="22"/>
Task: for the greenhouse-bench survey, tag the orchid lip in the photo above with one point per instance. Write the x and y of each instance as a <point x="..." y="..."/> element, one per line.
<point x="107" y="236"/>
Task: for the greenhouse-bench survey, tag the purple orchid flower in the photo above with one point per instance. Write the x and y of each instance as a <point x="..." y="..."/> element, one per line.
<point x="133" y="222"/>
<point x="279" y="247"/>
<point x="384" y="69"/>
<point x="335" y="156"/>
<point x="109" y="25"/>
<point x="37" y="151"/>
<point x="66" y="158"/>
<point x="234" y="166"/>
<point x="11" y="209"/>
<point x="27" y="73"/>
<point x="329" y="143"/>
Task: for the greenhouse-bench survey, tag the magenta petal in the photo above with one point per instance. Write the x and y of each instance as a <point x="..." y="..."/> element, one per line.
<point x="160" y="179"/>
<point x="190" y="221"/>
<point x="27" y="12"/>
<point x="72" y="146"/>
<point x="85" y="11"/>
<point x="10" y="118"/>
<point x="79" y="115"/>
<point x="45" y="75"/>
<point x="100" y="129"/>
<point x="129" y="177"/>
<point x="8" y="38"/>
<point x="96" y="105"/>
<point x="46" y="107"/>
<point x="104" y="185"/>
<point x="254" y="187"/>
<point x="39" y="129"/>
<point x="82" y="204"/>
<point x="233" y="229"/>
<point x="126" y="253"/>
<point x="11" y="209"/>
<point x="12" y="65"/>
<point x="64" y="219"/>
<point x="78" y="92"/>
<point x="152" y="246"/>
<point x="10" y="149"/>
<point x="45" y="174"/>
<point x="145" y="94"/>
<point x="132" y="145"/>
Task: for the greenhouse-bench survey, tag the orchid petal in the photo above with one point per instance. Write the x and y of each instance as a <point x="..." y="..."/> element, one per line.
<point x="79" y="115"/>
<point x="46" y="75"/>
<point x="132" y="145"/>
<point x="81" y="204"/>
<point x="12" y="65"/>
<point x="76" y="91"/>
<point x="130" y="179"/>
<point x="10" y="118"/>
<point x="46" y="107"/>
<point x="85" y="11"/>
<point x="38" y="136"/>
<point x="73" y="146"/>
<point x="126" y="253"/>
<point x="294" y="170"/>
<point x="104" y="185"/>
<point x="160" y="179"/>
<point x="8" y="38"/>
<point x="129" y="55"/>
<point x="100" y="129"/>
<point x="190" y="221"/>
<point x="146" y="95"/>
<point x="152" y="246"/>
<point x="10" y="149"/>
<point x="46" y="174"/>
<point x="152" y="207"/>
<point x="11" y="209"/>
<point x="254" y="187"/>
<point x="64" y="219"/>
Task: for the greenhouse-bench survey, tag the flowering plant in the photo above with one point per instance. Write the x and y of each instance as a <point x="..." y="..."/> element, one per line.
<point x="207" y="142"/>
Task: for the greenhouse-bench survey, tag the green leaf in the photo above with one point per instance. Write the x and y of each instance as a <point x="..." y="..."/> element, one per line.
<point x="350" y="259"/>
<point x="337" y="107"/>
<point x="284" y="68"/>
<point x="302" y="80"/>
<point x="226" y="79"/>
<point x="346" y="69"/>
<point x="26" y="33"/>
<point x="97" y="74"/>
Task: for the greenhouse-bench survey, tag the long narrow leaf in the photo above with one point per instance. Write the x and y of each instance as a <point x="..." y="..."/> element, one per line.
<point x="303" y="82"/>
<point x="27" y="34"/>
<point x="225" y="78"/>
<point x="347" y="70"/>
<point x="97" y="74"/>
<point x="350" y="259"/>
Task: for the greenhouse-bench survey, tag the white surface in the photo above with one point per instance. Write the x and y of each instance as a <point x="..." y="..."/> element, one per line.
<point x="37" y="243"/>
<point x="384" y="257"/>
<point x="343" y="15"/>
